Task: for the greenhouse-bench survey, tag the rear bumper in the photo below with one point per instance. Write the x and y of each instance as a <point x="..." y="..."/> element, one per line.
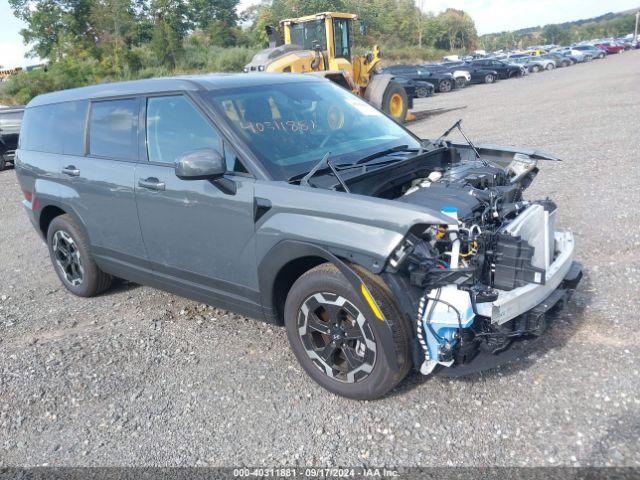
<point x="10" y="156"/>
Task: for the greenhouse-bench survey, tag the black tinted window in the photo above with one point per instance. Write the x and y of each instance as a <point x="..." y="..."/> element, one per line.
<point x="113" y="129"/>
<point x="174" y="127"/>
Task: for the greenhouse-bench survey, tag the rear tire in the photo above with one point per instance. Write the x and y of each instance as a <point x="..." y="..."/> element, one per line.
<point x="330" y="331"/>
<point x="461" y="82"/>
<point x="422" y="92"/>
<point x="69" y="253"/>
<point x="3" y="162"/>
<point x="395" y="102"/>
<point x="535" y="68"/>
<point x="489" y="78"/>
<point x="550" y="66"/>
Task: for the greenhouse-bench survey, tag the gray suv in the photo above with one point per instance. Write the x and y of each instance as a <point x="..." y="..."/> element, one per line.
<point x="287" y="198"/>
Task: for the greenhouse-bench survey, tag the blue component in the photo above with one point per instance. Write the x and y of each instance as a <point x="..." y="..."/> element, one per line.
<point x="445" y="333"/>
<point x="449" y="210"/>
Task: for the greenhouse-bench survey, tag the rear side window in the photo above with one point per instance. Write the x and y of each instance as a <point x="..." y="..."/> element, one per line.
<point x="175" y="127"/>
<point x="113" y="129"/>
<point x="56" y="128"/>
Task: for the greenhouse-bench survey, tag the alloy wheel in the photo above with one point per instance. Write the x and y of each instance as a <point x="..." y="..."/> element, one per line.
<point x="67" y="257"/>
<point x="337" y="337"/>
<point x="422" y="92"/>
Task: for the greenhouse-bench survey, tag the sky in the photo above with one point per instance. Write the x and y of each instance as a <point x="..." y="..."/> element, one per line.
<point x="489" y="15"/>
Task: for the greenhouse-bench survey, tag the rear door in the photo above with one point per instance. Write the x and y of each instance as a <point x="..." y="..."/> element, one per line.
<point x="102" y="180"/>
<point x="197" y="236"/>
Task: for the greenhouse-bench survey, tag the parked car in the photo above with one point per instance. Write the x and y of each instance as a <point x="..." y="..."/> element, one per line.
<point x="289" y="199"/>
<point x="578" y="55"/>
<point x="477" y="74"/>
<point x="416" y="88"/>
<point x="443" y="81"/>
<point x="10" y="121"/>
<point x="504" y="68"/>
<point x="610" y="47"/>
<point x="594" y="51"/>
<point x="534" y="64"/>
<point x="462" y="77"/>
<point x="559" y="59"/>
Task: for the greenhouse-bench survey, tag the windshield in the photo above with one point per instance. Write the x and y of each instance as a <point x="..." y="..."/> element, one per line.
<point x="289" y="127"/>
<point x="309" y="34"/>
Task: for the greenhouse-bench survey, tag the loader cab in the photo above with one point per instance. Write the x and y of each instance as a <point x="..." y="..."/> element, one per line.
<point x="330" y="33"/>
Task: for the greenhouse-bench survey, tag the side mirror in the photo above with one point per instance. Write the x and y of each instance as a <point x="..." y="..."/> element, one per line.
<point x="202" y="164"/>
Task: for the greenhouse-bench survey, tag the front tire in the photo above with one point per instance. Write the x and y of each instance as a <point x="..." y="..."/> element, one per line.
<point x="3" y="162"/>
<point x="489" y="78"/>
<point x="332" y="334"/>
<point x="461" y="82"/>
<point x="535" y="68"/>
<point x="395" y="102"/>
<point x="69" y="253"/>
<point x="445" y="86"/>
<point x="550" y="66"/>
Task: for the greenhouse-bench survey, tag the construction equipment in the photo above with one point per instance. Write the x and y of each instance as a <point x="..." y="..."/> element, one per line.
<point x="321" y="44"/>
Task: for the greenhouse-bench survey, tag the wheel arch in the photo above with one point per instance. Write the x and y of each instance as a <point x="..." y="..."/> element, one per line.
<point x="285" y="263"/>
<point x="50" y="209"/>
<point x="47" y="215"/>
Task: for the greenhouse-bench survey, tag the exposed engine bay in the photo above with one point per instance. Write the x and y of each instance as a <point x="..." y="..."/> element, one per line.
<point x="496" y="244"/>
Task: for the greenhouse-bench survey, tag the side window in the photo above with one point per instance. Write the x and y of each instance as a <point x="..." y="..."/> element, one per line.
<point x="39" y="130"/>
<point x="71" y="118"/>
<point x="57" y="128"/>
<point x="113" y="129"/>
<point x="341" y="38"/>
<point x="174" y="127"/>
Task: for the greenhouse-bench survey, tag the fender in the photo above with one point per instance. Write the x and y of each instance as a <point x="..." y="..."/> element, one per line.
<point x="289" y="250"/>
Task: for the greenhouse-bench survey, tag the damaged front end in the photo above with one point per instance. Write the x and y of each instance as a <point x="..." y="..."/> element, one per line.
<point x="493" y="271"/>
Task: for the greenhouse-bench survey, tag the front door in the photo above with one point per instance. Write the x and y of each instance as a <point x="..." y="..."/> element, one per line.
<point x="197" y="235"/>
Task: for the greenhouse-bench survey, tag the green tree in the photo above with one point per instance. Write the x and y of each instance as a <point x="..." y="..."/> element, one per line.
<point x="170" y="26"/>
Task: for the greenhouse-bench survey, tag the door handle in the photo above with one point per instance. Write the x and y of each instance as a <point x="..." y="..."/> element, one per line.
<point x="71" y="170"/>
<point x="151" y="183"/>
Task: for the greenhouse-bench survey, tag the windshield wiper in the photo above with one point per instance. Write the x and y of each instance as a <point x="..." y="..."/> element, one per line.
<point x="304" y="181"/>
<point x="388" y="151"/>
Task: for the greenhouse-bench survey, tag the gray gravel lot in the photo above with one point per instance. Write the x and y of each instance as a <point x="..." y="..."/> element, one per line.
<point x="142" y="377"/>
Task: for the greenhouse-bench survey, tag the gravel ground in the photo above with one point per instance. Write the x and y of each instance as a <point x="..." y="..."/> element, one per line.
<point x="141" y="377"/>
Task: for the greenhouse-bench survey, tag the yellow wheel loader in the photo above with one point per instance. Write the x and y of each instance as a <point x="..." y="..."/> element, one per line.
<point x="321" y="44"/>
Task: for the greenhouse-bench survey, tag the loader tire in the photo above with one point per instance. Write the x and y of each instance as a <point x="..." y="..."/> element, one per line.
<point x="395" y="102"/>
